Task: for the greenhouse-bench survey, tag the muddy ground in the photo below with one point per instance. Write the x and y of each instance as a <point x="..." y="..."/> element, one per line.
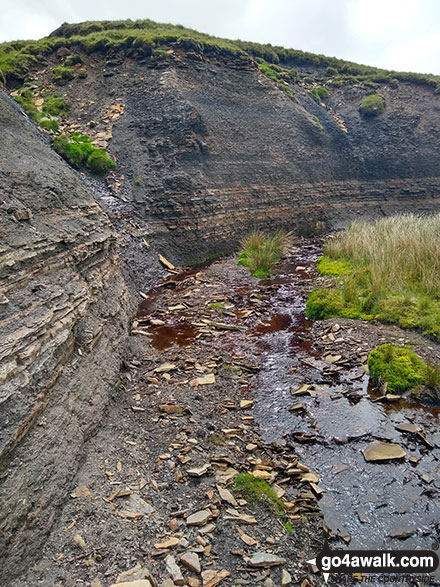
<point x="217" y="361"/>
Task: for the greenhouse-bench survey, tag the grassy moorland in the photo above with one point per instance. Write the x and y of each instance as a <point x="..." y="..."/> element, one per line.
<point x="388" y="270"/>
<point x="150" y="38"/>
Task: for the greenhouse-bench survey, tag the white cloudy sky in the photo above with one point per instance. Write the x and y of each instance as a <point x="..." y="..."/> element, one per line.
<point x="395" y="34"/>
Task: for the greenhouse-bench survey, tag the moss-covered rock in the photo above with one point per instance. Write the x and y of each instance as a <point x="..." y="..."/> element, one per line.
<point x="399" y="367"/>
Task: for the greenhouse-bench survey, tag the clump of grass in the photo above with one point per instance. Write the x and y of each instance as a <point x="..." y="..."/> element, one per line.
<point x="261" y="252"/>
<point x="79" y="151"/>
<point x="99" y="162"/>
<point x="388" y="270"/>
<point x="372" y="105"/>
<point x="72" y="60"/>
<point x="319" y="94"/>
<point x="399" y="367"/>
<point x="257" y="491"/>
<point x="54" y="107"/>
<point x="62" y="73"/>
<point x="432" y="375"/>
<point x="280" y="75"/>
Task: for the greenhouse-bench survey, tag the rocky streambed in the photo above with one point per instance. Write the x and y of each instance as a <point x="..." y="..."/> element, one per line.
<point x="226" y="376"/>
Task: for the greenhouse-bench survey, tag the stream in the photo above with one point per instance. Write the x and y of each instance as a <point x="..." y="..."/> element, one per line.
<point x="394" y="505"/>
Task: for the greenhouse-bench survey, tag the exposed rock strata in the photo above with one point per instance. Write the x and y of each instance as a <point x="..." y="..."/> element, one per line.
<point x="63" y="320"/>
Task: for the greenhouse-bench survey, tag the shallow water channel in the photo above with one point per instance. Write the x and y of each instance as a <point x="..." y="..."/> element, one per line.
<point x="367" y="505"/>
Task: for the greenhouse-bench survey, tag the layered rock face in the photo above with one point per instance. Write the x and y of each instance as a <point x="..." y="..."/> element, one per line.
<point x="63" y="322"/>
<point x="206" y="150"/>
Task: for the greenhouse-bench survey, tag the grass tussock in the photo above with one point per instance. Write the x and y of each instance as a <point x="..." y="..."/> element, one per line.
<point x="257" y="491"/>
<point x="260" y="252"/>
<point x="79" y="151"/>
<point x="402" y="370"/>
<point x="388" y="270"/>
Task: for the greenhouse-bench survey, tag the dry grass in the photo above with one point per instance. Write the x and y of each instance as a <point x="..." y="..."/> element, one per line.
<point x="261" y="251"/>
<point x="401" y="252"/>
<point x="388" y="270"/>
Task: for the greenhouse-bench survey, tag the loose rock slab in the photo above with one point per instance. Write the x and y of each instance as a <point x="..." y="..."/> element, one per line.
<point x="383" y="451"/>
<point x="199" y="518"/>
<point x="264" y="559"/>
<point x="191" y="561"/>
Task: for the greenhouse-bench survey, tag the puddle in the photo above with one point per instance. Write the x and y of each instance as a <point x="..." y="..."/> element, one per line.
<point x="362" y="502"/>
<point x="165" y="336"/>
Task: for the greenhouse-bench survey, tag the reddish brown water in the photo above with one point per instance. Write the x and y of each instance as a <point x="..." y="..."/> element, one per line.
<point x="165" y="336"/>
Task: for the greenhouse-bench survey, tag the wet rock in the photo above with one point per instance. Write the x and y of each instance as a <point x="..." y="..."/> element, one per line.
<point x="174" y="570"/>
<point x="191" y="561"/>
<point x="383" y="451"/>
<point x="402" y="533"/>
<point x="264" y="559"/>
<point x="199" y="518"/>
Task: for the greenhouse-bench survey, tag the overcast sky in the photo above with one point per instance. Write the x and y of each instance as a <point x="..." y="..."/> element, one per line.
<point x="394" y="34"/>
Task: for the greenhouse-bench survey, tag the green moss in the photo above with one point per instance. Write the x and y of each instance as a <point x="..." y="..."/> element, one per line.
<point x="400" y="367"/>
<point x="62" y="74"/>
<point x="372" y="105"/>
<point x="328" y="266"/>
<point x="99" y="162"/>
<point x="280" y="75"/>
<point x="319" y="94"/>
<point x="257" y="491"/>
<point x="79" y="151"/>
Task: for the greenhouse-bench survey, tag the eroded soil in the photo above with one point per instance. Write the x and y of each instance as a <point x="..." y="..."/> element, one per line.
<point x="216" y="359"/>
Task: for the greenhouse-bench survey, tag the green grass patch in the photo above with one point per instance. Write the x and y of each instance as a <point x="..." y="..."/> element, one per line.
<point x="328" y="266"/>
<point x="388" y="270"/>
<point x="18" y="58"/>
<point x="257" y="491"/>
<point x="372" y="105"/>
<point x="48" y="115"/>
<point x="399" y="367"/>
<point x="62" y="73"/>
<point x="319" y="94"/>
<point x="79" y="151"/>
<point x="261" y="252"/>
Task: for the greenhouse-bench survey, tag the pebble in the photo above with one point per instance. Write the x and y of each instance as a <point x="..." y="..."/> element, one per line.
<point x="174" y="570"/>
<point x="199" y="518"/>
<point x="191" y="561"/>
<point x="264" y="559"/>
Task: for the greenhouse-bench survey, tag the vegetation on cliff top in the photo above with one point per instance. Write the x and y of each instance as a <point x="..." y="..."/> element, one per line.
<point x="388" y="270"/>
<point x="145" y="36"/>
